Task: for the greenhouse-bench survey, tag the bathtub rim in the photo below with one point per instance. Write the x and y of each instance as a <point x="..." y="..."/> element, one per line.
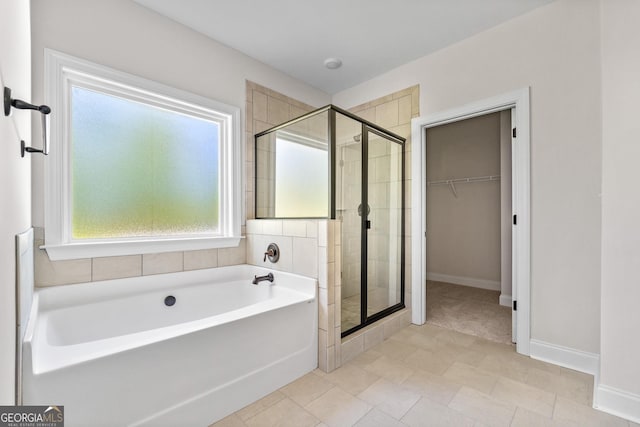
<point x="307" y="289"/>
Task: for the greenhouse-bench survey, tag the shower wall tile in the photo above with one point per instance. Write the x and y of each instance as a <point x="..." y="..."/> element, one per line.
<point x="259" y="105"/>
<point x="296" y="228"/>
<point x="305" y="256"/>
<point x="116" y="267"/>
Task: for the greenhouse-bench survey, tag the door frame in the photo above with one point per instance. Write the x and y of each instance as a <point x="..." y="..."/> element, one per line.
<point x="521" y="202"/>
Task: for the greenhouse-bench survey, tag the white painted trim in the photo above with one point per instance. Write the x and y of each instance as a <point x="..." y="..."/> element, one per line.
<point x="519" y="100"/>
<point x="61" y="71"/>
<point x="105" y="249"/>
<point x="506" y="300"/>
<point x="571" y="358"/>
<point x="493" y="285"/>
<point x="618" y="402"/>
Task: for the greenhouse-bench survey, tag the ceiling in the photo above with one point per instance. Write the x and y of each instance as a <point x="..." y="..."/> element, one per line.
<point x="369" y="36"/>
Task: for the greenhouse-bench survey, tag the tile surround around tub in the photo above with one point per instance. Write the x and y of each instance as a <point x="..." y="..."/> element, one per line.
<point x="54" y="273"/>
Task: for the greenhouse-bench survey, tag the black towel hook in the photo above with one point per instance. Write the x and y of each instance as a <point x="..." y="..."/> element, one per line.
<point x="22" y="105"/>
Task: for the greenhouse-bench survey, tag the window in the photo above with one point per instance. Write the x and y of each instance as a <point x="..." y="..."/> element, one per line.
<point x="294" y="196"/>
<point x="135" y="166"/>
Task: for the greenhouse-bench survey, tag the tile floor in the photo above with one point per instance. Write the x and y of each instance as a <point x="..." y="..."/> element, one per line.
<point x="431" y="376"/>
<point x="469" y="310"/>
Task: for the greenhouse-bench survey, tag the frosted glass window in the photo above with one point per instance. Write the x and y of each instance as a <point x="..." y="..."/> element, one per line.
<point x="301" y="180"/>
<point x="138" y="170"/>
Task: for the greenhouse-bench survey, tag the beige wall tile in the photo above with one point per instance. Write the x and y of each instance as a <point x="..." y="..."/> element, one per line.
<point x="205" y="258"/>
<point x="277" y="111"/>
<point x="233" y="256"/>
<point x="117" y="267"/>
<point x="305" y="256"/>
<point x="387" y="114"/>
<point x="373" y="337"/>
<point x="49" y="273"/>
<point x="259" y="106"/>
<point x="169" y="262"/>
<point x="352" y="347"/>
<point x="404" y="110"/>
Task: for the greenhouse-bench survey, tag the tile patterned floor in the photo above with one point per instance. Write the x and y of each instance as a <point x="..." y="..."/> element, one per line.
<point x="469" y="310"/>
<point x="431" y="376"/>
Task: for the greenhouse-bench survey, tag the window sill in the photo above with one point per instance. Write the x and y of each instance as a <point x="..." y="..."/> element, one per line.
<point x="106" y="249"/>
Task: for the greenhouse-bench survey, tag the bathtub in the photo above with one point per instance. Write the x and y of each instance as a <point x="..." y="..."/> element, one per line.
<point x="114" y="354"/>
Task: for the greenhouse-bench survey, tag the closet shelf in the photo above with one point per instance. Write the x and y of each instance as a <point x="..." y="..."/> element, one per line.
<point x="465" y="180"/>
<point x="452" y="182"/>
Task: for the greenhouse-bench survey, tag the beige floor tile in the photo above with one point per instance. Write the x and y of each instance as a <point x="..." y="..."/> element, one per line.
<point x="337" y="408"/>
<point x="260" y="405"/>
<point x="428" y="361"/>
<point x="422" y="341"/>
<point x="571" y="387"/>
<point x="433" y="387"/>
<point x="455" y="337"/>
<point x="583" y="415"/>
<point x="351" y="379"/>
<point x="525" y="418"/>
<point x="471" y="377"/>
<point x="428" y="413"/>
<point x="390" y="398"/>
<point x="525" y="396"/>
<point x="306" y="389"/>
<point x="395" y="350"/>
<point x="482" y="407"/>
<point x="232" y="420"/>
<point x="377" y="418"/>
<point x="390" y="369"/>
<point x="504" y="367"/>
<point x="284" y="413"/>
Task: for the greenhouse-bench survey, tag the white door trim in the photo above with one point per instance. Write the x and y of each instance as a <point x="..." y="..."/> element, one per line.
<point x="521" y="178"/>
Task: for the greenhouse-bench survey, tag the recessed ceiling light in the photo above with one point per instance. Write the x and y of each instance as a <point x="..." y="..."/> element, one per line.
<point x="332" y="63"/>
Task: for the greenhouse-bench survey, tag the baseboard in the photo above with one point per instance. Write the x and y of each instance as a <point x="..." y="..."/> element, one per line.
<point x="506" y="300"/>
<point x="618" y="402"/>
<point x="577" y="360"/>
<point x="493" y="285"/>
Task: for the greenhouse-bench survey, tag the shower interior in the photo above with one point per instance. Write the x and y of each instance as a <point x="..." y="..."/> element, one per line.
<point x="331" y="164"/>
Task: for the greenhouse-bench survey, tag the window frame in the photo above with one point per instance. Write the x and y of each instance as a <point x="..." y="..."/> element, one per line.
<point x="64" y="71"/>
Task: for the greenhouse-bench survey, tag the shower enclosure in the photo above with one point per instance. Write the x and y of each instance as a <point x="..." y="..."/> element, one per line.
<point x="332" y="164"/>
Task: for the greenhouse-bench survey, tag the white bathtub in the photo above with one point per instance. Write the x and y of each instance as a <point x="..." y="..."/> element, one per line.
<point x="114" y="354"/>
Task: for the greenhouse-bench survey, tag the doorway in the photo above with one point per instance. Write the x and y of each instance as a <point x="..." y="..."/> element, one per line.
<point x="468" y="204"/>
<point x="519" y="102"/>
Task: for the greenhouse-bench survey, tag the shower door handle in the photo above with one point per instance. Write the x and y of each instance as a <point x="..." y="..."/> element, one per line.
<point x="368" y="224"/>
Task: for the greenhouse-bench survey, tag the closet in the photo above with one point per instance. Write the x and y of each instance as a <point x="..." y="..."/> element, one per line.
<point x="469" y="226"/>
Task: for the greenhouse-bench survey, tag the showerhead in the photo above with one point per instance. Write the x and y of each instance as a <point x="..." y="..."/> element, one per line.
<point x="357" y="137"/>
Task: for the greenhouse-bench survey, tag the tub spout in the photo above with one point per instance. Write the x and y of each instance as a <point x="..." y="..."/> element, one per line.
<point x="258" y="279"/>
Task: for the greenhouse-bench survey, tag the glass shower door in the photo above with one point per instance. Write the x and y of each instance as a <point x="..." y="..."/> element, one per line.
<point x="383" y="223"/>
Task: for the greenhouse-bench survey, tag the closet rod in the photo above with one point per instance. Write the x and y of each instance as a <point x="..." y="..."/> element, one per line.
<point x="465" y="180"/>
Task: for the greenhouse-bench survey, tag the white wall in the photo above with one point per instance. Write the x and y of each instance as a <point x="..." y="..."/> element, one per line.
<point x="15" y="175"/>
<point x="463" y="244"/>
<point x="620" y="348"/>
<point x="556" y="51"/>
<point x="126" y="36"/>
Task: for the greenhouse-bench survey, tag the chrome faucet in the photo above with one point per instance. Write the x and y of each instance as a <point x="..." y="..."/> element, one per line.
<point x="258" y="279"/>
